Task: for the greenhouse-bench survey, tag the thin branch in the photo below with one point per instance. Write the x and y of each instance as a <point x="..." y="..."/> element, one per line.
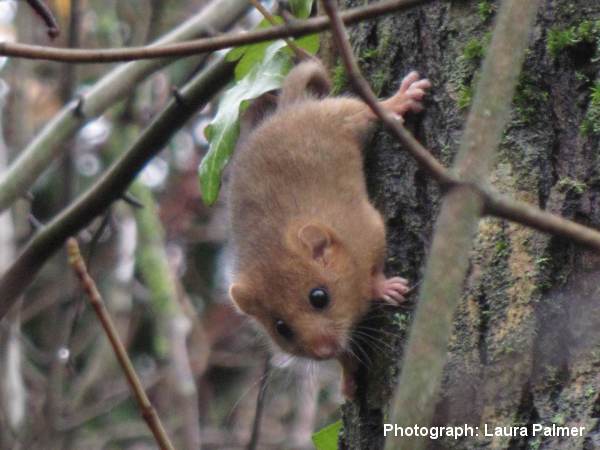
<point x="172" y="325"/>
<point x="45" y="13"/>
<point x="114" y="86"/>
<point x="96" y="236"/>
<point x="420" y="153"/>
<point x="506" y="208"/>
<point x="296" y="29"/>
<point x="260" y="404"/>
<point x="418" y="388"/>
<point x="68" y="84"/>
<point x="117" y="394"/>
<point x="112" y="184"/>
<point x="300" y="53"/>
<point x="147" y="410"/>
<point x="128" y="198"/>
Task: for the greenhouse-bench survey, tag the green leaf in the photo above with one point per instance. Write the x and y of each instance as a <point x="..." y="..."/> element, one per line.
<point x="327" y="438"/>
<point x="301" y="8"/>
<point x="236" y="53"/>
<point x="251" y="54"/>
<point x="254" y="55"/>
<point x="310" y="43"/>
<point x="224" y="129"/>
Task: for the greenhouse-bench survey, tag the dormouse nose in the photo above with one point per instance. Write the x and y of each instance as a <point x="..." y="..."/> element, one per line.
<point x="325" y="347"/>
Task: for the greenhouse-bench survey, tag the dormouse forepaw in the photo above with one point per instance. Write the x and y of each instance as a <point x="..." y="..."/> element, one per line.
<point x="408" y="80"/>
<point x="410" y="95"/>
<point x="392" y="290"/>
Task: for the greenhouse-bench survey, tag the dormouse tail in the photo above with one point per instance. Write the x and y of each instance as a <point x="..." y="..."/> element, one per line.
<point x="308" y="79"/>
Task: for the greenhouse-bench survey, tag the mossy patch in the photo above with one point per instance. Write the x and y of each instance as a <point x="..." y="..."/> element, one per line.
<point x="386" y="37"/>
<point x="561" y="39"/>
<point x="339" y="79"/>
<point x="446" y="154"/>
<point x="591" y="121"/>
<point x="475" y="49"/>
<point x="529" y="99"/>
<point x="402" y="321"/>
<point x="369" y="54"/>
<point x="468" y="69"/>
<point x="379" y="79"/>
<point x="590" y="392"/>
<point x="502" y="248"/>
<point x="559" y="419"/>
<point x="465" y="96"/>
<point x="485" y="9"/>
<point x="567" y="184"/>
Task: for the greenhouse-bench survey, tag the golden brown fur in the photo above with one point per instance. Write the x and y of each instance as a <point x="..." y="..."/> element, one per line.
<point x="300" y="215"/>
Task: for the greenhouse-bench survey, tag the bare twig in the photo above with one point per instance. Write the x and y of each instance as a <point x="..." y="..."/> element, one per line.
<point x="420" y="153"/>
<point x="68" y="83"/>
<point x="300" y="53"/>
<point x="96" y="236"/>
<point x="260" y="403"/>
<point x="118" y="394"/>
<point x="45" y="13"/>
<point x="525" y="214"/>
<point x="147" y="410"/>
<point x="296" y="29"/>
<point x="172" y="324"/>
<point x="34" y="222"/>
<point x="13" y="393"/>
<point x="128" y="198"/>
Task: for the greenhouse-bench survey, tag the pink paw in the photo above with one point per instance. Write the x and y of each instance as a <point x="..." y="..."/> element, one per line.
<point x="391" y="290"/>
<point x="410" y="95"/>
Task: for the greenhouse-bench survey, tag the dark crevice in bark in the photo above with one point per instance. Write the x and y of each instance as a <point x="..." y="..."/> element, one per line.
<point x="484" y="313"/>
<point x="526" y="416"/>
<point x="596" y="411"/>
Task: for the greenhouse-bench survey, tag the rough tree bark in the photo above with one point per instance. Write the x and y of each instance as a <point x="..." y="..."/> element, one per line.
<point x="526" y="342"/>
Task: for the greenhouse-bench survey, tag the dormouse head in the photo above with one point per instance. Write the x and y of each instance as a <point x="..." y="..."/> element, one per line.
<point x="309" y="297"/>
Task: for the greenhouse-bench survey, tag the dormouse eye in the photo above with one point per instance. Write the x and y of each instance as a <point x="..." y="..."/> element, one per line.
<point x="284" y="330"/>
<point x="319" y="298"/>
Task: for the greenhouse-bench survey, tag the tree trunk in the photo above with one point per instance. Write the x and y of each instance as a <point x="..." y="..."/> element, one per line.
<point x="526" y="343"/>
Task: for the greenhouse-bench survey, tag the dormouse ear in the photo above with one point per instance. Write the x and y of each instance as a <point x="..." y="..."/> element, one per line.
<point x="318" y="240"/>
<point x="242" y="298"/>
<point x="307" y="79"/>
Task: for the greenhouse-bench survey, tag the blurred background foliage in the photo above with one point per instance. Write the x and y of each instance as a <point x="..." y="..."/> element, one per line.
<point x="161" y="268"/>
